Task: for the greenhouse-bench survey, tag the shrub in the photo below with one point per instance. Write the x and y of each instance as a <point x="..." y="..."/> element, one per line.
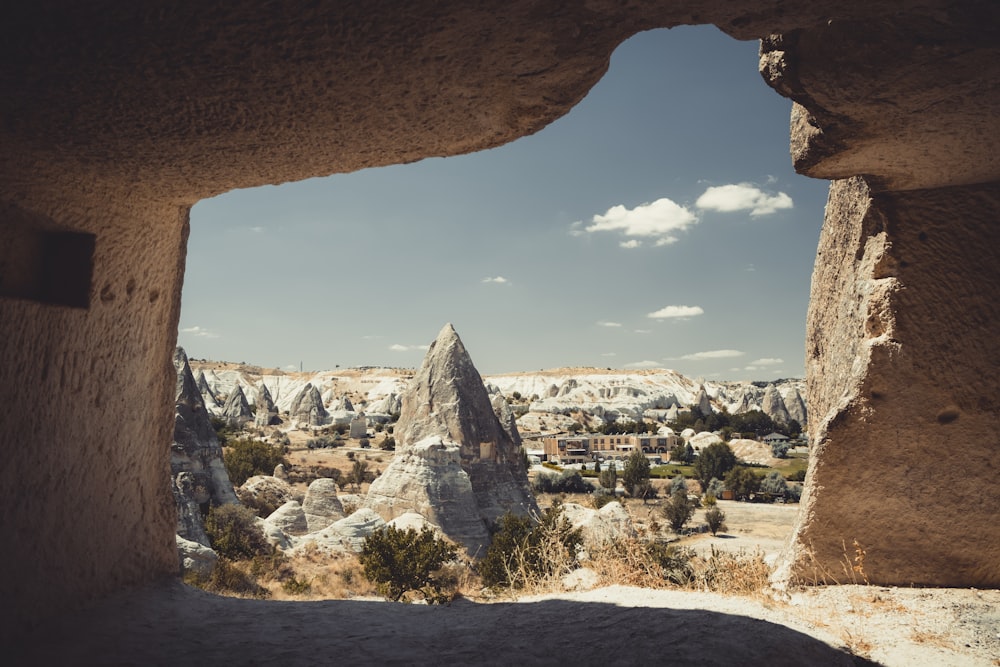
<point x="400" y="561"/>
<point x="609" y="477"/>
<point x="715" y="488"/>
<point x="779" y="449"/>
<point x="523" y="553"/>
<point x="228" y="578"/>
<point x="234" y="534"/>
<point x="678" y="485"/>
<point x="774" y="484"/>
<point x="245" y="458"/>
<point x="600" y="498"/>
<point x="674" y="562"/>
<point x="716" y="520"/>
<point x="568" y="481"/>
<point x="388" y="444"/>
<point x="678" y="511"/>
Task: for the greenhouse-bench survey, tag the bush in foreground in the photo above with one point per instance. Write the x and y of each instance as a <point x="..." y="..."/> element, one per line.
<point x="234" y="534"/>
<point x="400" y="561"/>
<point x="524" y="553"/>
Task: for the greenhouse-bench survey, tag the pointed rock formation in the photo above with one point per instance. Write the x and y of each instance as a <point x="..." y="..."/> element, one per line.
<point x="773" y="406"/>
<point x="342" y="404"/>
<point x="237" y="410"/>
<point x="796" y="407"/>
<point x="196" y="465"/>
<point x="703" y="402"/>
<point x="307" y="407"/>
<point x="265" y="412"/>
<point x="446" y="405"/>
<point x="506" y="417"/>
<point x="207" y="395"/>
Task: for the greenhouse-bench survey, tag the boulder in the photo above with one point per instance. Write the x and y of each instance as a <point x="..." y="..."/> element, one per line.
<point x="263" y="492"/>
<point x="611" y="522"/>
<point x="195" y="558"/>
<point x="412" y="521"/>
<point x="321" y="506"/>
<point x="344" y="536"/>
<point x="289" y="518"/>
<point x="701" y="440"/>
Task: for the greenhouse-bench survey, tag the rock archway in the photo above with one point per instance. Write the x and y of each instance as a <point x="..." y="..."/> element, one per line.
<point x="117" y="117"/>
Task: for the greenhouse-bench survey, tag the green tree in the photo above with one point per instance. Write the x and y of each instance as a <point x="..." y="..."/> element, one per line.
<point x="678" y="511"/>
<point x="245" y="458"/>
<point x="678" y="485"/>
<point x="742" y="482"/>
<point x="636" y="472"/>
<point x="716" y="520"/>
<point x="714" y="461"/>
<point x="398" y="561"/>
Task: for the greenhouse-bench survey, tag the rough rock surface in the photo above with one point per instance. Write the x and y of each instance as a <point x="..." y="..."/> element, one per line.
<point x="611" y="522"/>
<point x="264" y="410"/>
<point x="190" y="493"/>
<point x="905" y="393"/>
<point x="701" y="440"/>
<point x="447" y="400"/>
<point x="307" y="407"/>
<point x="289" y="519"/>
<point x="262" y="490"/>
<point x="321" y="506"/>
<point x="773" y="405"/>
<point x="428" y="478"/>
<point x="195" y="558"/>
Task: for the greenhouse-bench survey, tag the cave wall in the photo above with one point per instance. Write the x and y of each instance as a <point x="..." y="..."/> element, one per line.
<point x="116" y="117"/>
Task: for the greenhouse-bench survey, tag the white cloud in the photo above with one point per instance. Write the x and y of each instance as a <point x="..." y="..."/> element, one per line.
<point x="661" y="219"/>
<point x="643" y="331"/>
<point x="602" y="323"/>
<point x="676" y="311"/>
<point x="710" y="354"/>
<point x="200" y="332"/>
<point x="372" y="337"/>
<point x="500" y="280"/>
<point x="643" y="364"/>
<point x="609" y="354"/>
<point x="634" y="243"/>
<point x="742" y="197"/>
<point x="396" y="347"/>
<point x="767" y="361"/>
<point x="257" y="230"/>
<point x="291" y="367"/>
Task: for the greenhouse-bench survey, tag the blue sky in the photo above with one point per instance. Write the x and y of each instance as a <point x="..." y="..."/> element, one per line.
<point x="659" y="223"/>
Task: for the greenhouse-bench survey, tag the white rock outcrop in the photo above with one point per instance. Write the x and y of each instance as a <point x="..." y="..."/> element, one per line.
<point x="321" y="507"/>
<point x="611" y="522"/>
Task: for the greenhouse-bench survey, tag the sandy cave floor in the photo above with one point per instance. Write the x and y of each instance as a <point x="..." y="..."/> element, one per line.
<point x="171" y="623"/>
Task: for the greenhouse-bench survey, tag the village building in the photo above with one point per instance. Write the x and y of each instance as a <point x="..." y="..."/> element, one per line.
<point x="566" y="449"/>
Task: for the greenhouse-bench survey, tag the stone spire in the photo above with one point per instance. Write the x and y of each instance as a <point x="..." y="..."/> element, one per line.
<point x="773" y="406"/>
<point x="448" y="422"/>
<point x="237" y="410"/>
